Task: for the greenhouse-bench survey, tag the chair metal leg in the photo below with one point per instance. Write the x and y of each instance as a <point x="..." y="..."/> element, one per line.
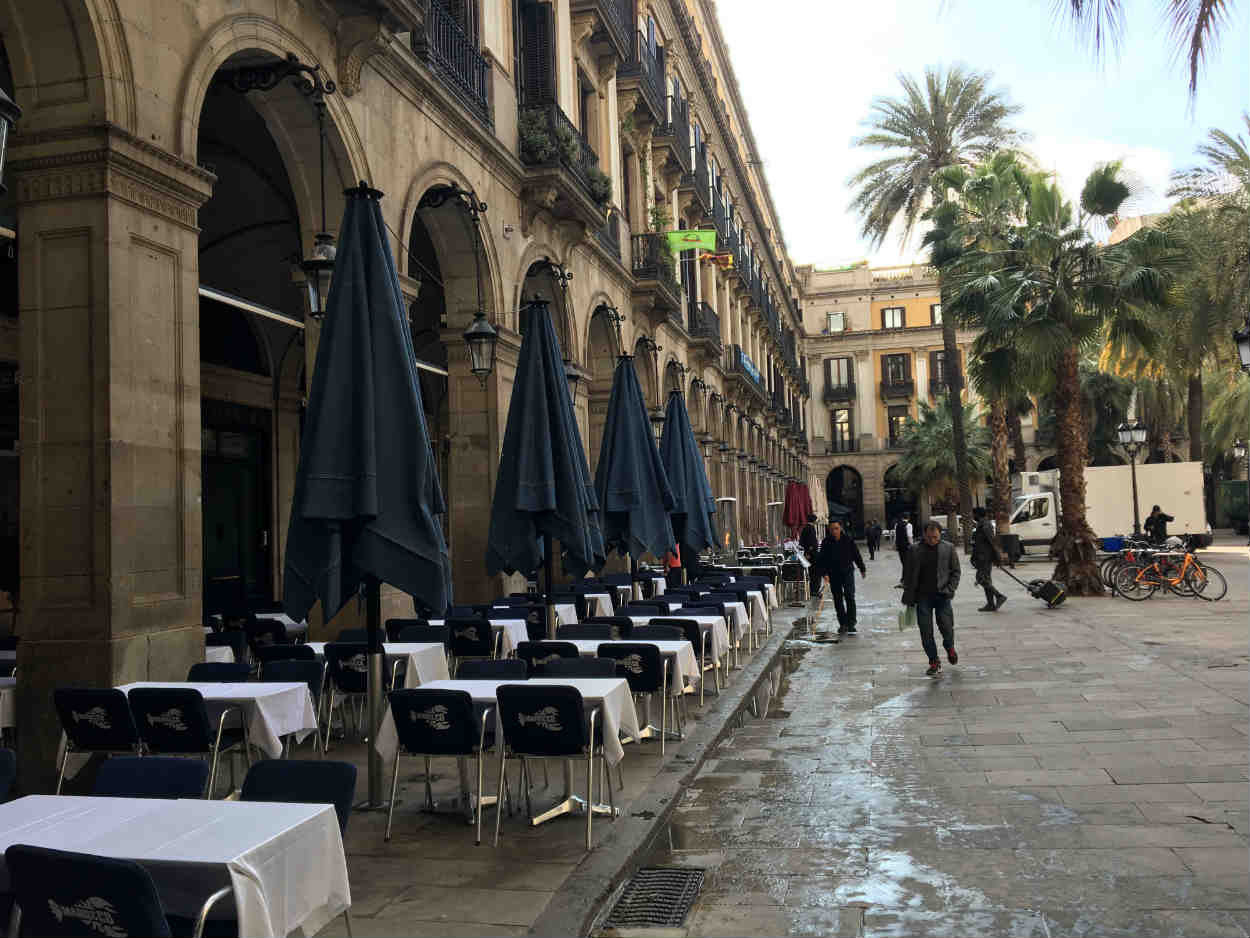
<point x="347" y="922"/>
<point x="478" y="819"/>
<point x="429" y="792"/>
<point x="499" y="794"/>
<point x="590" y="786"/>
<point x="390" y="810"/>
<point x="611" y="797"/>
<point x="60" y="779"/>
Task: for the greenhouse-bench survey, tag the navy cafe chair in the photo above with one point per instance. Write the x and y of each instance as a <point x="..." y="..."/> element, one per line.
<point x="151" y="777"/>
<point x="174" y="721"/>
<point x="94" y="720"/>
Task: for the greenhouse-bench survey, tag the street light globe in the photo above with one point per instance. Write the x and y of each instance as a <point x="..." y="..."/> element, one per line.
<point x="1242" y="338"/>
<point x="1139" y="432"/>
<point x="481" y="338"/>
<point x="1239" y="449"/>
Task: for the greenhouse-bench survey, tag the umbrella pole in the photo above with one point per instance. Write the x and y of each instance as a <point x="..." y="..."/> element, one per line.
<point x="373" y="623"/>
<point x="635" y="588"/>
<point x="549" y="564"/>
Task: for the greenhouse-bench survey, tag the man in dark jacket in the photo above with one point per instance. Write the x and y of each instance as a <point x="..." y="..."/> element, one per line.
<point x="985" y="554"/>
<point x="872" y="535"/>
<point x="1156" y="525"/>
<point x="809" y="542"/>
<point x="930" y="578"/>
<point x="902" y="544"/>
<point x="839" y="556"/>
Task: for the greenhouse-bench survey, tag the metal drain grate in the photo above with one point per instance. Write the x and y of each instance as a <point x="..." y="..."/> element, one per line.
<point x="656" y="897"/>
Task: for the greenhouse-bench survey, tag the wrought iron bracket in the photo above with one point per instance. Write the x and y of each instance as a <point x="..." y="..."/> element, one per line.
<point x="308" y="79"/>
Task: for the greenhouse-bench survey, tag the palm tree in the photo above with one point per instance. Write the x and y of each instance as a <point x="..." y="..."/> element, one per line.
<point x="1195" y="26"/>
<point x="928" y="451"/>
<point x="1056" y="291"/>
<point x="951" y="118"/>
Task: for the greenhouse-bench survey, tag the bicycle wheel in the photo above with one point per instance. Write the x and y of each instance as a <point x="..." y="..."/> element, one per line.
<point x="1207" y="582"/>
<point x="1108" y="570"/>
<point x="1135" y="582"/>
<point x="1174" y="581"/>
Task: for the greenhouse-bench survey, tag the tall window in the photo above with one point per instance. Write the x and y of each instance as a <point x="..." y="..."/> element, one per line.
<point x="896" y="416"/>
<point x="837" y="322"/>
<point x="935" y="313"/>
<point x="534" y="51"/>
<point x="841" y="437"/>
<point x="937" y="367"/>
<point x="896" y="369"/>
<point x="838" y="372"/>
<point x="892" y="317"/>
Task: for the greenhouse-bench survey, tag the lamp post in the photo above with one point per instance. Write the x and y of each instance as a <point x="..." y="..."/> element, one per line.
<point x="1132" y="438"/>
<point x="1242" y="451"/>
<point x="657" y="424"/>
<point x="1242" y="338"/>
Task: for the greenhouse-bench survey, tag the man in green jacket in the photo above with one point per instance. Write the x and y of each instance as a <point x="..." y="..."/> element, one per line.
<point x="930" y="578"/>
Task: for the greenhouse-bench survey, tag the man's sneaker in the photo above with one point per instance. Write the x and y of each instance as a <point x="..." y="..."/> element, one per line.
<point x="1002" y="598"/>
<point x="935" y="667"/>
<point x="850" y="629"/>
<point x="988" y="607"/>
<point x="952" y="656"/>
<point x="841" y="629"/>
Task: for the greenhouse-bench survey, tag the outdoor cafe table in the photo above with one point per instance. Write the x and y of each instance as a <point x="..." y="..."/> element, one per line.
<point x="424" y="661"/>
<point x="292" y="627"/>
<point x="601" y="604"/>
<point x="678" y="651"/>
<point x="610" y="694"/>
<point x="720" y="634"/>
<point x="272" y="709"/>
<point x="514" y="632"/>
<point x="284" y="862"/>
<point x="222" y="654"/>
<point x="8" y="693"/>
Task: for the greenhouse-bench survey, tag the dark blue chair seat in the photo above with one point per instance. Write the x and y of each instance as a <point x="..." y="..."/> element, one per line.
<point x="151" y="777"/>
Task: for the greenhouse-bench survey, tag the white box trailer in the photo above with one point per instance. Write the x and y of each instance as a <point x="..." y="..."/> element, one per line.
<point x="1176" y="487"/>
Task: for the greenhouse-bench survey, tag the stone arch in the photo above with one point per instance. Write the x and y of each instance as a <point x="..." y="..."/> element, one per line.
<point x="645" y="368"/>
<point x="532" y="281"/>
<point x="1047" y="463"/>
<point x="599" y="305"/>
<point x="899" y="498"/>
<point x="603" y="350"/>
<point x="845" y="486"/>
<point x="71" y="64"/>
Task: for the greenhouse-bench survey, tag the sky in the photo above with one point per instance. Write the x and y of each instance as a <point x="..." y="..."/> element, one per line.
<point x="808" y="71"/>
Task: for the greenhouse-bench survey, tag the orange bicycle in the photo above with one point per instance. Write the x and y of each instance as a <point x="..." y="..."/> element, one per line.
<point x="1179" y="573"/>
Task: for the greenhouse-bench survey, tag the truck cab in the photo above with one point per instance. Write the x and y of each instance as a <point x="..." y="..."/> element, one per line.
<point x="1034" y="518"/>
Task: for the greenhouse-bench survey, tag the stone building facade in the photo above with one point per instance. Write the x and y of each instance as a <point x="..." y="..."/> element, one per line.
<point x="160" y="198"/>
<point x="873" y="352"/>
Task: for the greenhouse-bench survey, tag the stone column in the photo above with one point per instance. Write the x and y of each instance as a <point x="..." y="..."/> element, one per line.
<point x="865" y="397"/>
<point x="110" y="421"/>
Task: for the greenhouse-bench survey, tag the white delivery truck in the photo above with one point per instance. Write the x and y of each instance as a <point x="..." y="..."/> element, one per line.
<point x="1176" y="487"/>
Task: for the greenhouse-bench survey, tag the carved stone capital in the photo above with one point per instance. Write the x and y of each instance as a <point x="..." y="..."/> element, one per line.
<point x="359" y="39"/>
<point x="607" y="68"/>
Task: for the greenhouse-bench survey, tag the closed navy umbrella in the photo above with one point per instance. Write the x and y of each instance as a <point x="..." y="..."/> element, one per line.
<point x="367" y="494"/>
<point x="544" y="490"/>
<point x="630" y="480"/>
<point x="694" y="504"/>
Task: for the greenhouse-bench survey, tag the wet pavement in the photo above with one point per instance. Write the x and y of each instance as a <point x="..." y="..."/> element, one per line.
<point x="1082" y="771"/>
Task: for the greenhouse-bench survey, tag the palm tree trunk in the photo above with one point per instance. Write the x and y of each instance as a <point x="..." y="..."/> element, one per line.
<point x="1016" y="432"/>
<point x="1074" y="546"/>
<point x="1194" y="417"/>
<point x="954" y="383"/>
<point x="999" y="442"/>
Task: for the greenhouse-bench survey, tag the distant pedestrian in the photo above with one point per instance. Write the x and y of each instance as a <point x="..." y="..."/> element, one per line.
<point x="1156" y="525"/>
<point x="839" y="556"/>
<point x="902" y="544"/>
<point x="985" y="554"/>
<point x="809" y="541"/>
<point x="931" y="577"/>
<point x="872" y="535"/>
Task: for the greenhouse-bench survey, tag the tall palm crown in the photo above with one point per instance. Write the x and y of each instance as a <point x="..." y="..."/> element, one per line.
<point x="949" y="117"/>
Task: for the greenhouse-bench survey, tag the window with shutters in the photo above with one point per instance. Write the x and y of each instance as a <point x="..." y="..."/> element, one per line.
<point x="897" y="416"/>
<point x="842" y="434"/>
<point x="892" y="317"/>
<point x="839" y="372"/>
<point x="534" y="53"/>
<point x="935" y="313"/>
<point x="937" y="368"/>
<point x="896" y="369"/>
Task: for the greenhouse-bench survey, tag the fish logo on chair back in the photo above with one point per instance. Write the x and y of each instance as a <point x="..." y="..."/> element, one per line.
<point x="435" y="718"/>
<point x="469" y="633"/>
<point x="96" y="717"/>
<point x="358" y="663"/>
<point x="171" y="719"/>
<point x="631" y="663"/>
<point x="548" y="718"/>
<point x="547" y="660"/>
<point x="97" y="914"/>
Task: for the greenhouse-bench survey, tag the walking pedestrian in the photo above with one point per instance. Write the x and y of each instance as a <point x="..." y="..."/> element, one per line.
<point x="902" y="544"/>
<point x="931" y="577"/>
<point x="985" y="554"/>
<point x="873" y="537"/>
<point x="809" y="542"/>
<point x="1156" y="525"/>
<point x="839" y="556"/>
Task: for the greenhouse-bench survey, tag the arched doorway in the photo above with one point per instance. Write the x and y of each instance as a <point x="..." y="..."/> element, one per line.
<point x="845" y="486"/>
<point x="602" y="353"/>
<point x="1050" y="462"/>
<point x="898" y="498"/>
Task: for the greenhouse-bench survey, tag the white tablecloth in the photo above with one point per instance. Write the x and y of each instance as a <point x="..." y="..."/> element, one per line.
<point x="611" y="694"/>
<point x="739" y="613"/>
<point x="600" y="604"/>
<point x="720" y="632"/>
<point x="272" y="710"/>
<point x="660" y="585"/>
<point x="759" y="610"/>
<point x="623" y="594"/>
<point x="8" y="693"/>
<point x="426" y="661"/>
<point x="680" y="652"/>
<point x="223" y="654"/>
<point x="10" y="654"/>
<point x="514" y="632"/>
<point x="566" y="613"/>
<point x="292" y="627"/>
<point x="771" y="591"/>
<point x="285" y="862"/>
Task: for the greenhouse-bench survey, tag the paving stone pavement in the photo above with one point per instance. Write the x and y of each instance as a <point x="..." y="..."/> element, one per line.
<point x="1082" y="771"/>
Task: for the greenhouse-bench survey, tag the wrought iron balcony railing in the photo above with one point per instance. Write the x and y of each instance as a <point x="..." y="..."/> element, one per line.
<point x="705" y="324"/>
<point x="565" y="143"/>
<point x="697" y="180"/>
<point x="609" y="236"/>
<point x="842" y="446"/>
<point x="452" y="54"/>
<point x="898" y="389"/>
<point x="646" y="67"/>
<point x="741" y="366"/>
<point x="839" y="393"/>
<point x="674" y="132"/>
<point x="652" y="260"/>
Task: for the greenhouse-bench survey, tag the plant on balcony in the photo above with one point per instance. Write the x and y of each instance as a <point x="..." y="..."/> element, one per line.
<point x="600" y="185"/>
<point x="661" y="220"/>
<point x="534" y="133"/>
<point x="566" y="141"/>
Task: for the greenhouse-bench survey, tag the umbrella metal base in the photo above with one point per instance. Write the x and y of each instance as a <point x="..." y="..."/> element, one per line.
<point x="573" y="804"/>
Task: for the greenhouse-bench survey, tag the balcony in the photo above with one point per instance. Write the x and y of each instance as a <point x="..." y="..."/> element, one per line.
<point x="612" y="25"/>
<point x="705" y="333"/>
<point x="609" y="236"/>
<point x="898" y="390"/>
<point x="742" y="369"/>
<point x="937" y="388"/>
<point x="670" y="144"/>
<point x="655" y="276"/>
<point x="696" y="185"/>
<point x="839" y="393"/>
<point x="841" y="446"/>
<point x="452" y="55"/>
<point x="643" y="74"/>
<point x="562" y="171"/>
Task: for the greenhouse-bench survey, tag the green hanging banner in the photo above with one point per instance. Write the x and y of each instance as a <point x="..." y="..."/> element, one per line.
<point x="703" y="239"/>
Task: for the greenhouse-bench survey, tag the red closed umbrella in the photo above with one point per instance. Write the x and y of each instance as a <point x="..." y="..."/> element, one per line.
<point x="798" y="505"/>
